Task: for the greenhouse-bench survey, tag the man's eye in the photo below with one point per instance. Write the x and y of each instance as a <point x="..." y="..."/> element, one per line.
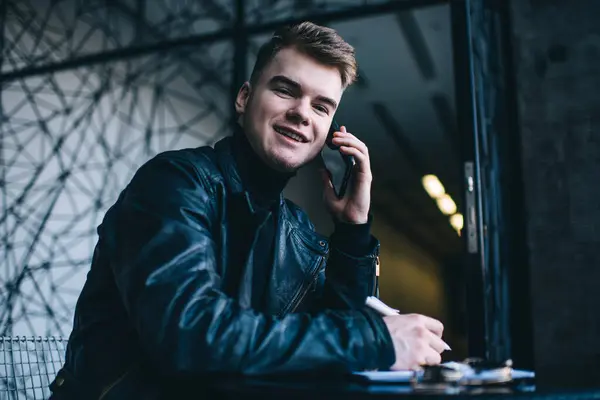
<point x="322" y="109"/>
<point x="283" y="91"/>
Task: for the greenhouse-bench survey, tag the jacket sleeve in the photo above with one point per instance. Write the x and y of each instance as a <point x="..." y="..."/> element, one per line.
<point x="164" y="260"/>
<point x="349" y="278"/>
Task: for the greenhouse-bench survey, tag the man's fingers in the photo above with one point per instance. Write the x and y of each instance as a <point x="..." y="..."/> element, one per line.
<point x="351" y="145"/>
<point x="433" y="325"/>
<point x="347" y="139"/>
<point x="438" y="344"/>
<point x="354" y="147"/>
<point x="433" y="358"/>
<point x="363" y="161"/>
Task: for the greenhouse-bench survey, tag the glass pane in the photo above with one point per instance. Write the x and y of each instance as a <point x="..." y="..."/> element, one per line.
<point x="258" y="11"/>
<point x="39" y="32"/>
<point x="71" y="141"/>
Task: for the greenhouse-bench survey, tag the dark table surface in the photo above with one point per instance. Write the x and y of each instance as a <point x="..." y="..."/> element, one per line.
<point x="313" y="389"/>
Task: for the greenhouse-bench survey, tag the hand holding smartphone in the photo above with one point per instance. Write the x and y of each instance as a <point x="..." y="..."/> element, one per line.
<point x="339" y="166"/>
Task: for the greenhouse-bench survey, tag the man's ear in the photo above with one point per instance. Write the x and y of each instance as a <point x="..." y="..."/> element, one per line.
<point x="241" y="100"/>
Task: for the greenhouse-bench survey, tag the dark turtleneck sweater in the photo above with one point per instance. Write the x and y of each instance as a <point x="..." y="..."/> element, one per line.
<point x="264" y="185"/>
<point x="262" y="182"/>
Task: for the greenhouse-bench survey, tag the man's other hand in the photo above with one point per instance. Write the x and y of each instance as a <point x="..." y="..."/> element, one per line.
<point x="417" y="340"/>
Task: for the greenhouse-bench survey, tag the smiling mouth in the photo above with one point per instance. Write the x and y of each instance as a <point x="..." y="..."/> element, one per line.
<point x="290" y="134"/>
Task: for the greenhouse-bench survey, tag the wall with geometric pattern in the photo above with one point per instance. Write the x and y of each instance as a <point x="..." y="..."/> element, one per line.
<point x="90" y="90"/>
<point x="73" y="138"/>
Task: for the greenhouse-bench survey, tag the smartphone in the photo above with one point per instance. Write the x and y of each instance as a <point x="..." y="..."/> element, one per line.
<point x="339" y="166"/>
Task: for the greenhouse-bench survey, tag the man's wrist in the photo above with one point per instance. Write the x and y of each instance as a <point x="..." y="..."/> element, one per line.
<point x="351" y="238"/>
<point x="355" y="221"/>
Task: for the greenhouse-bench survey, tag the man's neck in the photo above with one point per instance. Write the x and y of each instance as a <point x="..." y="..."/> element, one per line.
<point x="264" y="183"/>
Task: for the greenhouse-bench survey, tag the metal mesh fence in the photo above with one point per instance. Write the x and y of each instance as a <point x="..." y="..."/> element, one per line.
<point x="28" y="365"/>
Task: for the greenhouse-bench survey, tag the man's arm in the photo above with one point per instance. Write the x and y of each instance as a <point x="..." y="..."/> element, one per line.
<point x="163" y="256"/>
<point x="350" y="271"/>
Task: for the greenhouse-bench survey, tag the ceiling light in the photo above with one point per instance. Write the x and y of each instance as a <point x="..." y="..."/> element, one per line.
<point x="457" y="222"/>
<point x="446" y="204"/>
<point x="433" y="186"/>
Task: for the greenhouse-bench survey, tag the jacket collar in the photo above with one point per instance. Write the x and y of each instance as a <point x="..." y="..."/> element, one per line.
<point x="233" y="181"/>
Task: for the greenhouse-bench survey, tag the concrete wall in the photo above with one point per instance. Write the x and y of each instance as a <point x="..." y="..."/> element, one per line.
<point x="557" y="60"/>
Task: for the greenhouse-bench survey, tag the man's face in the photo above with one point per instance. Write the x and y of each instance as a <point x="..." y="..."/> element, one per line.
<point x="286" y="114"/>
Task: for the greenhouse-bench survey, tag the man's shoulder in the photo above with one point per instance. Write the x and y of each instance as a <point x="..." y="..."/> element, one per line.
<point x="299" y="215"/>
<point x="202" y="159"/>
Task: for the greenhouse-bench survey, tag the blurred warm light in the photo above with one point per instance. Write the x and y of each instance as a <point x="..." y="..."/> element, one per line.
<point x="433" y="186"/>
<point x="446" y="204"/>
<point x="457" y="222"/>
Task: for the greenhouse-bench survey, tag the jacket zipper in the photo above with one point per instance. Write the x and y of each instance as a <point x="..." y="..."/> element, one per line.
<point x="375" y="291"/>
<point x="376" y="278"/>
<point x="304" y="289"/>
<point x="110" y="386"/>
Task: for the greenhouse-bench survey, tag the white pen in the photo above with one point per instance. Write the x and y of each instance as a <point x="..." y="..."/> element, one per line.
<point x="380" y="306"/>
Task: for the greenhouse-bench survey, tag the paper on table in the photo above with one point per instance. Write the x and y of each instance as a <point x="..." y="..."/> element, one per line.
<point x="522" y="374"/>
<point x="387" y="376"/>
<point x="487" y="375"/>
<point x="405" y="376"/>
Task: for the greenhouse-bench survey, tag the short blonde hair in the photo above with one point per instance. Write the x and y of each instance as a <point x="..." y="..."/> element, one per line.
<point x="323" y="44"/>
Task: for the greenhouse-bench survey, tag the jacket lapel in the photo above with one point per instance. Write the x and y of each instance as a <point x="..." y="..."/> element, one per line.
<point x="297" y="259"/>
<point x="299" y="253"/>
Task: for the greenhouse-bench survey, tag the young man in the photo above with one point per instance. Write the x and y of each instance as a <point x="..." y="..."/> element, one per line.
<point x="202" y="267"/>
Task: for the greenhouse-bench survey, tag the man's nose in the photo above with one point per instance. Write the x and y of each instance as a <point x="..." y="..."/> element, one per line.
<point x="299" y="114"/>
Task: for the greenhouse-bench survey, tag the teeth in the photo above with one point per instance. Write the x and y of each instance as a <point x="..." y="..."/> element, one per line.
<point x="289" y="134"/>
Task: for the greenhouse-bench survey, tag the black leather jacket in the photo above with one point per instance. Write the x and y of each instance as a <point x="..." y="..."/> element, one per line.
<point x="162" y="301"/>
